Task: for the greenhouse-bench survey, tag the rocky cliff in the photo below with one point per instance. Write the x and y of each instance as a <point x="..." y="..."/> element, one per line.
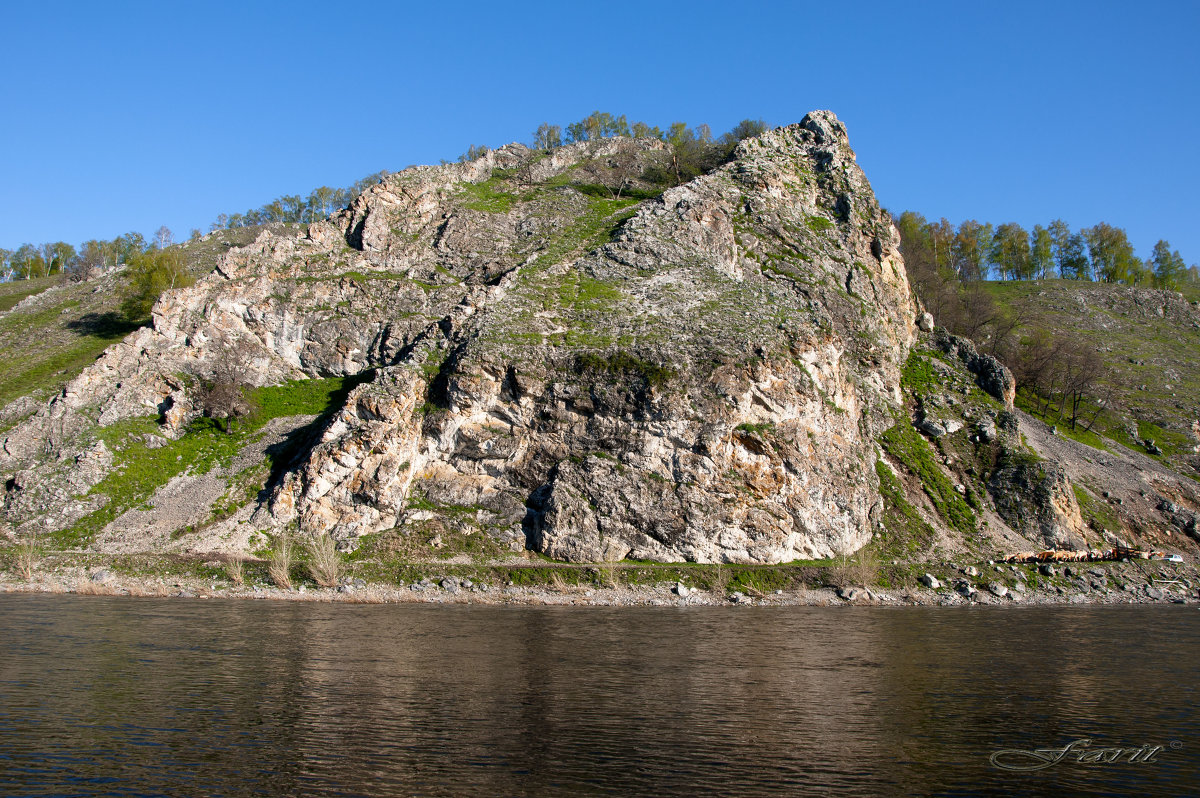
<point x="697" y="375"/>
<point x="549" y="351"/>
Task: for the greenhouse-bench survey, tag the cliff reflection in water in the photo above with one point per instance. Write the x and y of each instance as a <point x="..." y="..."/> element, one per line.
<point x="112" y="696"/>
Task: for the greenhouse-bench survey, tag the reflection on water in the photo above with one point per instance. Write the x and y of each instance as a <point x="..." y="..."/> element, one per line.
<point x="121" y="696"/>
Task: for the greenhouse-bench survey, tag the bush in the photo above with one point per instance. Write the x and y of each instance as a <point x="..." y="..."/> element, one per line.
<point x="280" y="567"/>
<point x="323" y="562"/>
<point x="147" y="276"/>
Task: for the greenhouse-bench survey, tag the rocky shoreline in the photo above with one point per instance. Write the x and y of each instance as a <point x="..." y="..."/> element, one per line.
<point x="997" y="585"/>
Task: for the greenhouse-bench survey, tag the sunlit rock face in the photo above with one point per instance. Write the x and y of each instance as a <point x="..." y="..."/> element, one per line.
<point x="578" y="368"/>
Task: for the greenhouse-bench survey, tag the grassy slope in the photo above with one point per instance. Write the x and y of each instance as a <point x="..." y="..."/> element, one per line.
<point x="1154" y="361"/>
<point x="44" y="346"/>
<point x="13" y="292"/>
<point x="138" y="471"/>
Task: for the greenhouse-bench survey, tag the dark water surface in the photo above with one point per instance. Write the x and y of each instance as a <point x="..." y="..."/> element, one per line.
<point x="119" y="696"/>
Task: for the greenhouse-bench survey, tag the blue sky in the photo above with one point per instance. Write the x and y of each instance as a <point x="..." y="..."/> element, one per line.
<point x="128" y="116"/>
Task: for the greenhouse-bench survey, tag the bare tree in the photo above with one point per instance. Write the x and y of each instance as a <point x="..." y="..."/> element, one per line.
<point x="163" y="237"/>
<point x="222" y="396"/>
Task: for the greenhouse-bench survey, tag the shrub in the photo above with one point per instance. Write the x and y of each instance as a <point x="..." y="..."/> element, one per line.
<point x="324" y="564"/>
<point x="280" y="566"/>
<point x="148" y="275"/>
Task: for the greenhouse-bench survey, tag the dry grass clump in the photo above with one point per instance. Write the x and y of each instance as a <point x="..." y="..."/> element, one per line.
<point x="280" y="566"/>
<point x="88" y="587"/>
<point x="610" y="574"/>
<point x="235" y="569"/>
<point x="27" y="557"/>
<point x="148" y="590"/>
<point x="324" y="564"/>
<point x="861" y="570"/>
<point x="720" y="583"/>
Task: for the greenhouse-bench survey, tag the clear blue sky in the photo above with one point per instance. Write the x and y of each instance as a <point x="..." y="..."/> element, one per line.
<point x="126" y="116"/>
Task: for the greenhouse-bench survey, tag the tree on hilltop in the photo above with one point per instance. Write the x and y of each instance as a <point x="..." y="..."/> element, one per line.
<point x="163" y="237"/>
<point x="547" y="137"/>
<point x="1169" y="267"/>
<point x="1112" y="255"/>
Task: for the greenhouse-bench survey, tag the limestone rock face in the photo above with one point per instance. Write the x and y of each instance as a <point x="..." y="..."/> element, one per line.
<point x="694" y="376"/>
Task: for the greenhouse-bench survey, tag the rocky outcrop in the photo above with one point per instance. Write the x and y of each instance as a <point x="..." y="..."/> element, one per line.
<point x="990" y="374"/>
<point x="698" y="376"/>
<point x="1036" y="499"/>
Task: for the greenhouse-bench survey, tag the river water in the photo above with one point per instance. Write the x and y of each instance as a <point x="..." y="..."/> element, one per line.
<point x="121" y="696"/>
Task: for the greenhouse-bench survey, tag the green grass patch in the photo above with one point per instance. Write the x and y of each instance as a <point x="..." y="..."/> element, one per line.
<point x="487" y="198"/>
<point x="623" y="364"/>
<point x="12" y="293"/>
<point x="1096" y="513"/>
<point x="907" y="446"/>
<point x="919" y="376"/>
<point x="589" y="230"/>
<point x="1034" y="407"/>
<point x="43" y="374"/>
<point x="819" y="224"/>
<point x="138" y="471"/>
<point x="905" y="534"/>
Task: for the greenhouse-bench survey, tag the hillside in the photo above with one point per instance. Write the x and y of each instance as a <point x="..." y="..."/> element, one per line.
<point x="553" y="353"/>
<point x="1149" y="341"/>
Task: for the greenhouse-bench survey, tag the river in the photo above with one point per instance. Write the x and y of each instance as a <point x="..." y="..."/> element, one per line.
<point x="122" y="696"/>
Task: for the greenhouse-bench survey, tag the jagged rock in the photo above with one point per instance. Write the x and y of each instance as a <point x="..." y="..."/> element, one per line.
<point x="930" y="581"/>
<point x="990" y="374"/>
<point x="1036" y="499"/>
<point x="925" y="322"/>
<point x="998" y="590"/>
<point x="933" y="429"/>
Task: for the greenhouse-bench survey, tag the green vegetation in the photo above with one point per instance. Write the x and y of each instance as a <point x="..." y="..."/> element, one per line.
<point x="486" y="198"/>
<point x="581" y="293"/>
<point x="756" y="429"/>
<point x="625" y="365"/>
<point x="919" y="376"/>
<point x="905" y="535"/>
<point x="907" y="446"/>
<point x="1096" y="514"/>
<point x="138" y="471"/>
<point x="1104" y="364"/>
<point x="147" y="275"/>
<point x="13" y="292"/>
<point x="937" y="252"/>
<point x="41" y="349"/>
<point x="819" y="224"/>
<point x="1032" y="404"/>
<point x="589" y="230"/>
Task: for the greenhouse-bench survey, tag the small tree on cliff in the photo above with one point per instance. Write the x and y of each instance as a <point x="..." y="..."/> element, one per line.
<point x="149" y="274"/>
<point x="222" y="396"/>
